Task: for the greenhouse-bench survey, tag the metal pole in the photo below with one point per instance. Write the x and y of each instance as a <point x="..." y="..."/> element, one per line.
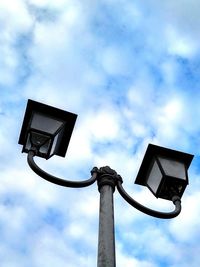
<point x="106" y="243"/>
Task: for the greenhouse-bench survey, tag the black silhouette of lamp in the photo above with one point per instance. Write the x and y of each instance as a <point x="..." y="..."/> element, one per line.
<point x="47" y="129"/>
<point x="164" y="171"/>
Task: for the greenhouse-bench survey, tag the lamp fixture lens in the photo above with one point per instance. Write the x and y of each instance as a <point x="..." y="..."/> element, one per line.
<point x="44" y="123"/>
<point x="173" y="168"/>
<point x="167" y="177"/>
<point x="155" y="177"/>
<point x="38" y="139"/>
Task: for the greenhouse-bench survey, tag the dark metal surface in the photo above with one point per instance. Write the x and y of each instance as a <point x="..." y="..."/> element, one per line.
<point x="153" y="151"/>
<point x="106" y="241"/>
<point x="56" y="180"/>
<point x="162" y="215"/>
<point x="106" y="181"/>
<point x="67" y="117"/>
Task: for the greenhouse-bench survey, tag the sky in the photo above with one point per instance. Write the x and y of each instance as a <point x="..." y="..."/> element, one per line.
<point x="131" y="71"/>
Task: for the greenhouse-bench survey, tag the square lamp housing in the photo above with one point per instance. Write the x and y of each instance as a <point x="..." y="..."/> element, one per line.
<point x="164" y="171"/>
<point x="47" y="128"/>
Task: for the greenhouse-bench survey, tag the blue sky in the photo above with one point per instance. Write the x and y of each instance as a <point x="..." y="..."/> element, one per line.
<point x="130" y="70"/>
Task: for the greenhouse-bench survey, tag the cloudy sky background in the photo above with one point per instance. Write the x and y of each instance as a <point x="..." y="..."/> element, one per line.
<point x="131" y="71"/>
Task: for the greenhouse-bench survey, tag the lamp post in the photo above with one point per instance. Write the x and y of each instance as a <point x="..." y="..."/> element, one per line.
<point x="46" y="131"/>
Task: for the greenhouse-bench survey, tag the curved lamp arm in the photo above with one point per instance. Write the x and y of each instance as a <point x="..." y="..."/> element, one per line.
<point x="58" y="181"/>
<point x="163" y="215"/>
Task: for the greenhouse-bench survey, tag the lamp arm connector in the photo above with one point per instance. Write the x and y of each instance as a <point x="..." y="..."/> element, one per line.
<point x="162" y="215"/>
<point x="56" y="180"/>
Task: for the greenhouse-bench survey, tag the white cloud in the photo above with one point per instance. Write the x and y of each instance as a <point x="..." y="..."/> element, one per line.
<point x="115" y="60"/>
<point x="169" y="70"/>
<point x="170" y="118"/>
<point x="15" y="20"/>
<point x="15" y="17"/>
<point x="8" y="65"/>
<point x="180" y="44"/>
<point x="188" y="219"/>
<point x="105" y="125"/>
<point x="127" y="261"/>
<point x="47" y="3"/>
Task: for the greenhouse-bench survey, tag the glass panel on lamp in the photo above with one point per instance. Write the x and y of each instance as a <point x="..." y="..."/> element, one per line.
<point x="28" y="143"/>
<point x="44" y="149"/>
<point x="54" y="144"/>
<point x="155" y="177"/>
<point x="45" y="123"/>
<point x="173" y="168"/>
<point x="38" y="139"/>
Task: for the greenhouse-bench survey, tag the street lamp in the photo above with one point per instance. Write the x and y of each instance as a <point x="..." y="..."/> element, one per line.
<point x="46" y="131"/>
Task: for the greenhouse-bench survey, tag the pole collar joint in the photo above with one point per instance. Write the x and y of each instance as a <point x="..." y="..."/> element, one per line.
<point x="107" y="176"/>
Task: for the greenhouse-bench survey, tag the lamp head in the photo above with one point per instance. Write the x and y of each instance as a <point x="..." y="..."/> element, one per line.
<point x="164" y="171"/>
<point x="46" y="128"/>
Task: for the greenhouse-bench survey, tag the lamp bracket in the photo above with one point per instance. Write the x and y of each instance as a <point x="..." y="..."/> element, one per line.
<point x="56" y="180"/>
<point x="158" y="214"/>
